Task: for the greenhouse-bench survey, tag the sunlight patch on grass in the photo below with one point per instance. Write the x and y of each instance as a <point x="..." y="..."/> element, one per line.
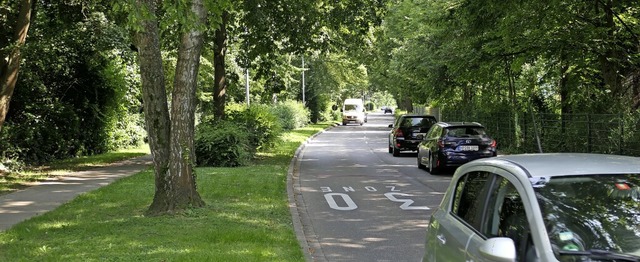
<point x="17" y="180"/>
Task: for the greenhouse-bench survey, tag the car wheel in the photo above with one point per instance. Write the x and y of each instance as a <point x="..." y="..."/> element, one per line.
<point x="396" y="152"/>
<point x="433" y="169"/>
<point x="390" y="149"/>
<point x="344" y="123"/>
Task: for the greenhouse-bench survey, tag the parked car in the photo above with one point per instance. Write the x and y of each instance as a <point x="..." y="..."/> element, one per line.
<point x="539" y="207"/>
<point x="387" y="109"/>
<point x="451" y="144"/>
<point x="407" y="131"/>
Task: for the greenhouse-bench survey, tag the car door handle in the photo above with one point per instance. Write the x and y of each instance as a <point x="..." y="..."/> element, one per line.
<point x="442" y="239"/>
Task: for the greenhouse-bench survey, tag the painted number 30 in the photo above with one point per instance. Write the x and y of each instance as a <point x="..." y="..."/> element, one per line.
<point x="350" y="205"/>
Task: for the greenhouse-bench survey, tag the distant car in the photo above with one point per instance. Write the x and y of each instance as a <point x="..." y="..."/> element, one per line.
<point x="353" y="110"/>
<point x="407" y="131"/>
<point x="387" y="109"/>
<point x="539" y="207"/>
<point x="453" y="144"/>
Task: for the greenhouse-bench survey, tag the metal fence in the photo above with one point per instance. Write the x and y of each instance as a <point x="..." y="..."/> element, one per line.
<point x="519" y="132"/>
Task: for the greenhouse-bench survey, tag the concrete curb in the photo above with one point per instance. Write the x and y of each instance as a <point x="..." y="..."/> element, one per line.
<point x="301" y="222"/>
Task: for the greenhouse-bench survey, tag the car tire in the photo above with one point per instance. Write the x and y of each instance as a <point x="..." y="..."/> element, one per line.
<point x="344" y="123"/>
<point x="396" y="152"/>
<point x="390" y="149"/>
<point x="433" y="169"/>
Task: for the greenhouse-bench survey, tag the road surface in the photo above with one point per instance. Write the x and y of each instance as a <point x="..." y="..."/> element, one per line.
<point x="358" y="202"/>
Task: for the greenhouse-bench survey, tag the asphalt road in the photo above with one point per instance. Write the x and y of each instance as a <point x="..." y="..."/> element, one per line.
<point x="358" y="202"/>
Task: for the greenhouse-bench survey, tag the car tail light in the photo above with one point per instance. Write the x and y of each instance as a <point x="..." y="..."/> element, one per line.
<point x="493" y="143"/>
<point x="398" y="133"/>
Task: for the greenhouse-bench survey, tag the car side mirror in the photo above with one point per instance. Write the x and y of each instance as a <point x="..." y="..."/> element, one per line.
<point x="500" y="249"/>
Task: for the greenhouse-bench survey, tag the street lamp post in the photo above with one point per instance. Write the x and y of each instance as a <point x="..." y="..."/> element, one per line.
<point x="303" y="98"/>
<point x="246" y="84"/>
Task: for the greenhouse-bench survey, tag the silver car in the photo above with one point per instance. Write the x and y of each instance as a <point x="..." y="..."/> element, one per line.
<point x="539" y="207"/>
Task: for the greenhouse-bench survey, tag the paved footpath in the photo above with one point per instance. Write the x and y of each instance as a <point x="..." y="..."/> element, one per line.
<point x="48" y="195"/>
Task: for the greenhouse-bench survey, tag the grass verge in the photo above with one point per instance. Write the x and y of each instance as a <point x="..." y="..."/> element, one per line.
<point x="246" y="219"/>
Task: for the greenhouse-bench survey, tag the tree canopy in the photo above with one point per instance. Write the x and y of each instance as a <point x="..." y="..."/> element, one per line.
<point x="91" y="71"/>
<point x="562" y="53"/>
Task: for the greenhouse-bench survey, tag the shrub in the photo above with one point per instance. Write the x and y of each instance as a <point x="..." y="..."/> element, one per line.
<point x="263" y="126"/>
<point x="129" y="132"/>
<point x="291" y="114"/>
<point x="221" y="143"/>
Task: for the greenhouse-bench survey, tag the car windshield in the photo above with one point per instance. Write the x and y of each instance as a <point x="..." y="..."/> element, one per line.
<point x="464" y="131"/>
<point x="595" y="212"/>
<point x="422" y="122"/>
<point x="349" y="107"/>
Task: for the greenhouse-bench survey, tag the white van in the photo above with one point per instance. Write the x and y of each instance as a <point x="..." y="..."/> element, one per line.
<point x="353" y="111"/>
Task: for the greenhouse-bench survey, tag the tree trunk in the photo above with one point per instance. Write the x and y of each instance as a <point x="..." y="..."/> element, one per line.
<point x="609" y="60"/>
<point x="10" y="65"/>
<point x="177" y="190"/>
<point x="405" y="104"/>
<point x="154" y="96"/>
<point x="220" y="82"/>
<point x="635" y="90"/>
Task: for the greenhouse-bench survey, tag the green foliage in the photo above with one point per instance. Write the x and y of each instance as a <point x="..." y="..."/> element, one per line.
<point x="291" y="114"/>
<point x="331" y="79"/>
<point x="74" y="95"/>
<point x="516" y="132"/>
<point x="574" y="56"/>
<point x="235" y="140"/>
<point x="259" y="121"/>
<point x="222" y="143"/>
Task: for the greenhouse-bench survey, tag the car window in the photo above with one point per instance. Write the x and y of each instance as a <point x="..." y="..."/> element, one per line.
<point x="398" y="121"/>
<point x="407" y="122"/>
<point x="350" y="107"/>
<point x="506" y="217"/>
<point x="592" y="212"/>
<point x="465" y="131"/>
<point x="468" y="197"/>
<point x="433" y="132"/>
<point x="426" y="122"/>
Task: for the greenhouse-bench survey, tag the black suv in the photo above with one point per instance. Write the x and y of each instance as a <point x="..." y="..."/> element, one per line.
<point x="408" y="131"/>
<point x="453" y="144"/>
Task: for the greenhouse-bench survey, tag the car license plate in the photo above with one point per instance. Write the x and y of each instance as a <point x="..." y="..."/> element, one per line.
<point x="468" y="148"/>
<point x="418" y="135"/>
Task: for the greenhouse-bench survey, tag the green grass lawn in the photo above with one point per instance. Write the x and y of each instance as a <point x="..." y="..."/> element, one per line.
<point x="246" y="218"/>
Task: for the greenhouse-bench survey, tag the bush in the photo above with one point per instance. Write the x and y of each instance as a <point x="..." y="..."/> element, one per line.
<point x="129" y="132"/>
<point x="262" y="125"/>
<point x="221" y="143"/>
<point x="291" y="114"/>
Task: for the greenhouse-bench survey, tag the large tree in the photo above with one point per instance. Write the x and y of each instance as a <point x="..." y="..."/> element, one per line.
<point x="270" y="29"/>
<point x="171" y="135"/>
<point x="10" y="54"/>
<point x="475" y="53"/>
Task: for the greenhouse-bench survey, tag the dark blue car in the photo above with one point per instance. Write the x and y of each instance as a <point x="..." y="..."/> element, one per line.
<point x="453" y="144"/>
